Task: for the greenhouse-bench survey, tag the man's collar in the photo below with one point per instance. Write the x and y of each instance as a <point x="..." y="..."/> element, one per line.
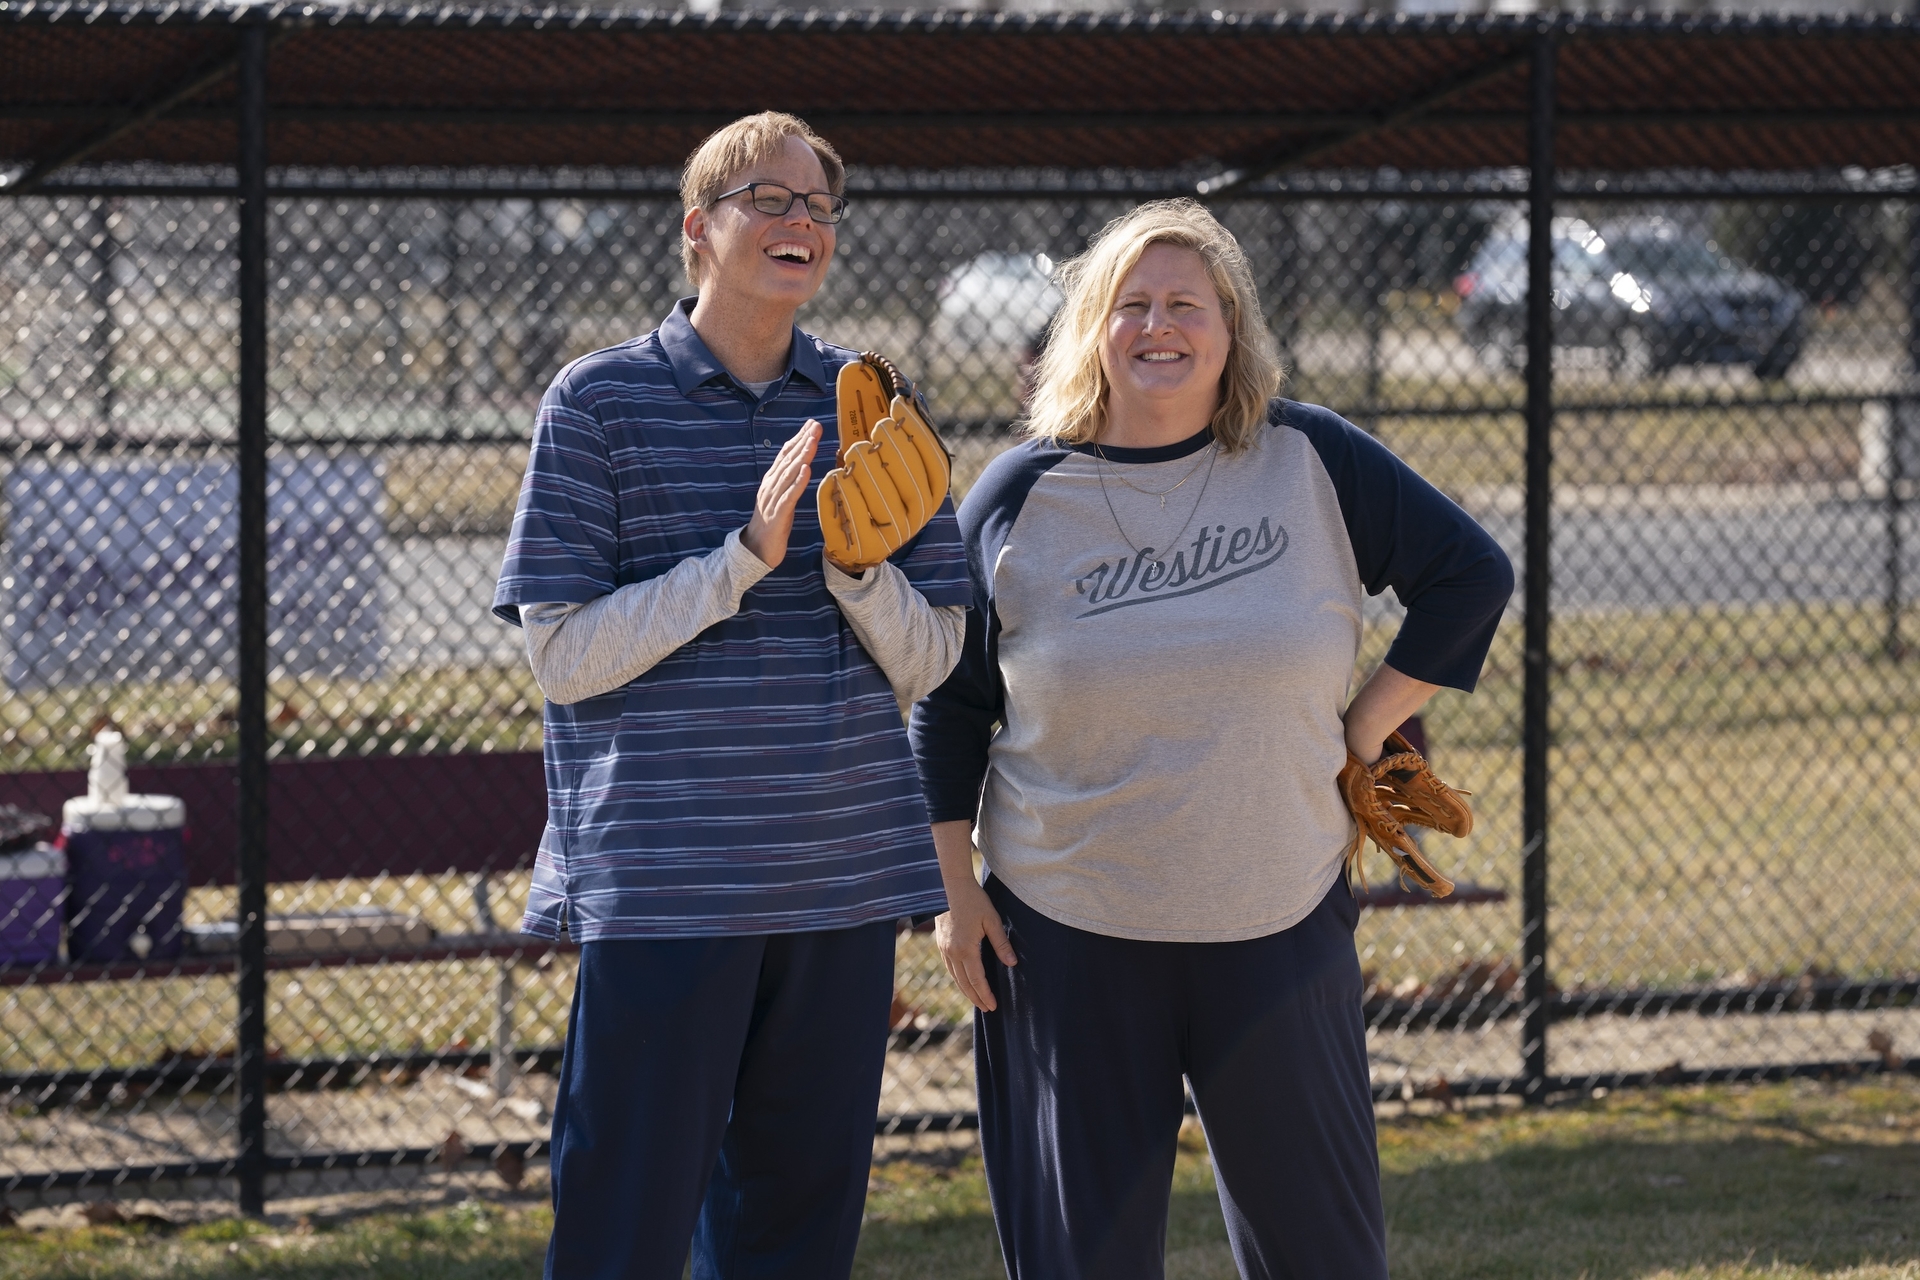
<point x="805" y="361"/>
<point x="694" y="365"/>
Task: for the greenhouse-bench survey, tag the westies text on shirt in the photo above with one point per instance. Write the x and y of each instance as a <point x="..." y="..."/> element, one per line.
<point x="1213" y="558"/>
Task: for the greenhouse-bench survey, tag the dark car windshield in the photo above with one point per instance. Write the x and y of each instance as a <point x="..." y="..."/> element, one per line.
<point x="1571" y="260"/>
<point x="1575" y="261"/>
<point x="1651" y="260"/>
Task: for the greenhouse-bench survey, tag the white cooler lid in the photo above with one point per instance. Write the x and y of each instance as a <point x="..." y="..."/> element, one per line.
<point x="135" y="813"/>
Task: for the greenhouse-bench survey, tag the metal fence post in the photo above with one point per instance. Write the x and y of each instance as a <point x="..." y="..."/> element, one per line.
<point x="252" y="870"/>
<point x="103" y="244"/>
<point x="503" y="1071"/>
<point x="1539" y="505"/>
<point x="1903" y="418"/>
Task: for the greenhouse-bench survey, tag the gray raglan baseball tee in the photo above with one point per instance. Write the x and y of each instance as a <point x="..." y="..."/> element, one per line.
<point x="1145" y="723"/>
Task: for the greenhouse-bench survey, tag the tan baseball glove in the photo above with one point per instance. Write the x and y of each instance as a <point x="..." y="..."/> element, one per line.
<point x="891" y="474"/>
<point x="1396" y="791"/>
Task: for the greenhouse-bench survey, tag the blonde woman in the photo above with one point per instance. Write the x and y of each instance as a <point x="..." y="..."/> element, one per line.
<point x="1142" y="738"/>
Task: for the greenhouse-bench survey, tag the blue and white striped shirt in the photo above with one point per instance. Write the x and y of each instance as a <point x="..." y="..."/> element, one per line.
<point x="758" y="780"/>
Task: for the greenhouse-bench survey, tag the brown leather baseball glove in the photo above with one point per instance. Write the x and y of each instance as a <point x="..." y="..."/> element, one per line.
<point x="891" y="473"/>
<point x="1396" y="791"/>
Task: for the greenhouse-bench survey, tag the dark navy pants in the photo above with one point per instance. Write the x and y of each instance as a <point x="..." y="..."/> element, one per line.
<point x="720" y="1091"/>
<point x="1081" y="1100"/>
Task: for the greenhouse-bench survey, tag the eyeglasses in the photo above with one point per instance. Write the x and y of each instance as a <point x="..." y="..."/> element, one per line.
<point x="774" y="199"/>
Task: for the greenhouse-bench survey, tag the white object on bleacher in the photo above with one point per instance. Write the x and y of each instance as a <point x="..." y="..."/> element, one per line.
<point x="108" y="806"/>
<point x="41" y="862"/>
<point x="107" y="768"/>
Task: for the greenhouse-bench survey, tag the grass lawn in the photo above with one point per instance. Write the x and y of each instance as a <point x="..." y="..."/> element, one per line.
<point x="1721" y="1183"/>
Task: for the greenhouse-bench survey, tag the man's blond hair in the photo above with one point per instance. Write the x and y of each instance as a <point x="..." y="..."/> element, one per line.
<point x="1070" y="388"/>
<point x="731" y="150"/>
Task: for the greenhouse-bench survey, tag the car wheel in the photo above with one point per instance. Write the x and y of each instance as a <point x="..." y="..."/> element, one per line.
<point x="1778" y="361"/>
<point x="1631" y="356"/>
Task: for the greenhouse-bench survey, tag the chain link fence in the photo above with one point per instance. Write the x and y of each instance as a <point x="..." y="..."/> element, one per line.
<point x="1734" y="698"/>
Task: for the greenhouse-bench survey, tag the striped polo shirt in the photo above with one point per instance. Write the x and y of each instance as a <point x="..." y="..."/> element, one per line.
<point x="759" y="779"/>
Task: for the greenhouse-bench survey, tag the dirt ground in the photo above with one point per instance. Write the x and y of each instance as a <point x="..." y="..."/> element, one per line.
<point x="936" y="1078"/>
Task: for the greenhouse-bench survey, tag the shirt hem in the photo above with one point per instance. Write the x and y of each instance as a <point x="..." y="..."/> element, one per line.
<point x="1132" y="933"/>
<point x="613" y="930"/>
<point x="939" y="594"/>
<point x="542" y="927"/>
<point x="955" y="812"/>
<point x="506" y="605"/>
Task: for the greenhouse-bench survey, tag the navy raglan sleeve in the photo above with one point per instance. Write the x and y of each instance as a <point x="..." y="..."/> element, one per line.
<point x="1449" y="572"/>
<point x="952" y="727"/>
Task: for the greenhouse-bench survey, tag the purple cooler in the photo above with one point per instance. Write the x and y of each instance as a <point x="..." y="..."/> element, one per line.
<point x="33" y="888"/>
<point x="127" y="877"/>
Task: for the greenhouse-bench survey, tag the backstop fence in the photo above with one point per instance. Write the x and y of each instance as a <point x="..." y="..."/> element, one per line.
<point x="1703" y="705"/>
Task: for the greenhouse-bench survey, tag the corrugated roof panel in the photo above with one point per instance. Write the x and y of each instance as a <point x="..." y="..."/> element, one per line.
<point x="377" y="87"/>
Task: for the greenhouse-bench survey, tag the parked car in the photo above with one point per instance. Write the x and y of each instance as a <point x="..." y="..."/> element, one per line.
<point x="1650" y="294"/>
<point x="995" y="300"/>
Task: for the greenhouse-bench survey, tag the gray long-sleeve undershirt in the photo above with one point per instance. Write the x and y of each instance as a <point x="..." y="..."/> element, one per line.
<point x="578" y="651"/>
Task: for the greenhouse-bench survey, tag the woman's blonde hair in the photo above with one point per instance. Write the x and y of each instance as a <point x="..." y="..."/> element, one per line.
<point x="1069" y="404"/>
<point x="731" y="150"/>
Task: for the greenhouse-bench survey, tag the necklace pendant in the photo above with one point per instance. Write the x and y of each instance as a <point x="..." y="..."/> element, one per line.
<point x="1163" y="502"/>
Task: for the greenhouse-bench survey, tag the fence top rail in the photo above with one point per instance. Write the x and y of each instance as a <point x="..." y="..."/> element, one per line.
<point x="1445" y="188"/>
<point x="373" y="86"/>
<point x="1148" y="23"/>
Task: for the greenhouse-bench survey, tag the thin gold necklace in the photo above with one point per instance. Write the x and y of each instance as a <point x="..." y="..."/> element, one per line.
<point x="1198" y="498"/>
<point x="1151" y="493"/>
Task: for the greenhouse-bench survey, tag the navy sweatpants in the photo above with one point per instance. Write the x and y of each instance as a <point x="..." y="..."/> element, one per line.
<point x="719" y="1090"/>
<point x="1079" y="1074"/>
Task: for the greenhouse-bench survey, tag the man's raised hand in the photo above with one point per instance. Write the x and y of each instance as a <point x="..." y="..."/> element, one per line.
<point x="780" y="491"/>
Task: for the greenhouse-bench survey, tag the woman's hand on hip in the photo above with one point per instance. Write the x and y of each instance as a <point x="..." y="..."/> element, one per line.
<point x="1382" y="705"/>
<point x="970" y="916"/>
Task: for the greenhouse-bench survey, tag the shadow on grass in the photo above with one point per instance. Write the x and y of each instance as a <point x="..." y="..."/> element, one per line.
<point x="963" y="1246"/>
<point x="1553" y="1210"/>
<point x="1630" y="1208"/>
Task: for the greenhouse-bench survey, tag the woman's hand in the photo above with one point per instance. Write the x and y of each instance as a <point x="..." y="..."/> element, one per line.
<point x="970" y="916"/>
<point x="1383" y="705"/>
<point x="780" y="489"/>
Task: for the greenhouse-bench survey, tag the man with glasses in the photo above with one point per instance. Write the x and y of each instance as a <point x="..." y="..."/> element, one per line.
<point x="735" y="822"/>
